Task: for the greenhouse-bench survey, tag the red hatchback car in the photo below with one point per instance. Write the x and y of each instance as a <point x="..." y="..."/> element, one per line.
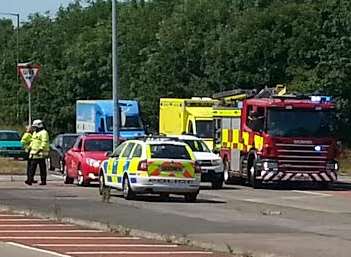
<point x="83" y="160"/>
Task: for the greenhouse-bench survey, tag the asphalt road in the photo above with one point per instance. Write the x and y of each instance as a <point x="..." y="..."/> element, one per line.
<point x="294" y="222"/>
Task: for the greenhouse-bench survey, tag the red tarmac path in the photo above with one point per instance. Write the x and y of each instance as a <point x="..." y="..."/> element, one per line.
<point x="66" y="240"/>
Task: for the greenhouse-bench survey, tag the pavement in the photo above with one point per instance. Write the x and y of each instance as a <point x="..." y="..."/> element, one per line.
<point x="294" y="222"/>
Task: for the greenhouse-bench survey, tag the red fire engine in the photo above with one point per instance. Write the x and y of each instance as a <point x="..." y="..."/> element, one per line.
<point x="273" y="137"/>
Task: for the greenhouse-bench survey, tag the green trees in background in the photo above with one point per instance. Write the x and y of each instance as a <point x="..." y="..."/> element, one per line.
<point x="178" y="48"/>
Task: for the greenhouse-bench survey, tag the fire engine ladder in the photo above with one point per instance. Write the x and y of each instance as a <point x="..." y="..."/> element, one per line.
<point x="241" y="94"/>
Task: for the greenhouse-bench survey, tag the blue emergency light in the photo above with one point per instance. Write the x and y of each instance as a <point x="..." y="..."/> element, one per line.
<point x="321" y="99"/>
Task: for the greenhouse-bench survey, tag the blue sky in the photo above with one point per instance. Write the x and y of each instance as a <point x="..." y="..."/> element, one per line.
<point x="26" y="7"/>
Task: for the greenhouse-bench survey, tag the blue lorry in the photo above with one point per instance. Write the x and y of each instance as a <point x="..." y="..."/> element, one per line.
<point x="96" y="116"/>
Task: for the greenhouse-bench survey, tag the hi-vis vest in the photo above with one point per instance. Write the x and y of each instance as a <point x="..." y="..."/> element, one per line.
<point x="39" y="146"/>
<point x="26" y="140"/>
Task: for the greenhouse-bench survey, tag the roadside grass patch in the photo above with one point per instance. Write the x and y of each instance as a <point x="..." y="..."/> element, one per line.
<point x="345" y="163"/>
<point x="10" y="166"/>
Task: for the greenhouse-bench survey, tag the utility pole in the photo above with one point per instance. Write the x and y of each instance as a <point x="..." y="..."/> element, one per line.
<point x="115" y="77"/>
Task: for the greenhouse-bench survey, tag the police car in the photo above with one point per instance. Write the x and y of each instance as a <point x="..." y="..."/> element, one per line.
<point x="157" y="165"/>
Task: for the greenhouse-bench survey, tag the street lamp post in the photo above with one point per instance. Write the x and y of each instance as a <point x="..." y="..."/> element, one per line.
<point x="115" y="77"/>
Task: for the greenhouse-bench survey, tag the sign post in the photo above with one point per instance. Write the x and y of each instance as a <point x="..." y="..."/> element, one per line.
<point x="29" y="74"/>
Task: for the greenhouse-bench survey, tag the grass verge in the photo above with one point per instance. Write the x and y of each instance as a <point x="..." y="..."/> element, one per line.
<point x="9" y="166"/>
<point x="345" y="163"/>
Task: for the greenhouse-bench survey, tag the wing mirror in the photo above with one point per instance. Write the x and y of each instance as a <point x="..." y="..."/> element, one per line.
<point x="76" y="149"/>
<point x="107" y="154"/>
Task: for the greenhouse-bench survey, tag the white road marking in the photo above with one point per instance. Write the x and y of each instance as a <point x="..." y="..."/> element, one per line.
<point x="36" y="225"/>
<point x="107" y="245"/>
<point x="67" y="237"/>
<point x="37" y="250"/>
<point x="137" y="253"/>
<point x="311" y="193"/>
<point x="50" y="231"/>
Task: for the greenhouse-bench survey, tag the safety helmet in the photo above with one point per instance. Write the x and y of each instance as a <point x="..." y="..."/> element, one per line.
<point x="38" y="124"/>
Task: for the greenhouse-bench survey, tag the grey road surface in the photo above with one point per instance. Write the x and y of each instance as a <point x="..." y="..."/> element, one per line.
<point x="11" y="250"/>
<point x="294" y="222"/>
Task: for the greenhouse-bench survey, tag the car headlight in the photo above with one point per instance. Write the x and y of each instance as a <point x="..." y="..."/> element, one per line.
<point x="216" y="162"/>
<point x="93" y="163"/>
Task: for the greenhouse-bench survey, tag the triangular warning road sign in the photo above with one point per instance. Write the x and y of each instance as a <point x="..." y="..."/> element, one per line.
<point x="29" y="73"/>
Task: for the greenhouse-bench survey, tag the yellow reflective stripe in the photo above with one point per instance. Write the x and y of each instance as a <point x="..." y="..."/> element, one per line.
<point x="246" y="136"/>
<point x="258" y="142"/>
<point x="110" y="166"/>
<point x="134" y="163"/>
<point x="225" y="135"/>
<point x="121" y="163"/>
<point x="235" y="136"/>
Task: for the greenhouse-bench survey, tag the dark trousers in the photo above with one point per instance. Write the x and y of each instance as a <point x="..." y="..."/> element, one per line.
<point x="29" y="177"/>
<point x="33" y="167"/>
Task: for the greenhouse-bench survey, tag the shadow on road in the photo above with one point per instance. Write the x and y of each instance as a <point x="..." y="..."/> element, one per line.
<point x="337" y="186"/>
<point x="226" y="187"/>
<point x="171" y="199"/>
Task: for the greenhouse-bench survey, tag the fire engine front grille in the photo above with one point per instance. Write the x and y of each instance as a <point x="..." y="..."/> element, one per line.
<point x="306" y="158"/>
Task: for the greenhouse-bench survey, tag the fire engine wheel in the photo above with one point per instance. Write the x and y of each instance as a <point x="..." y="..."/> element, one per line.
<point x="252" y="177"/>
<point x="128" y="193"/>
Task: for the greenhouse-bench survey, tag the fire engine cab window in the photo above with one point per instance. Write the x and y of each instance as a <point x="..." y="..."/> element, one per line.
<point x="255" y="119"/>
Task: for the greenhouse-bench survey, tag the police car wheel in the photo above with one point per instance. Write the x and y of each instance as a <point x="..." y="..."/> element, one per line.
<point x="101" y="183"/>
<point x="190" y="197"/>
<point x="128" y="193"/>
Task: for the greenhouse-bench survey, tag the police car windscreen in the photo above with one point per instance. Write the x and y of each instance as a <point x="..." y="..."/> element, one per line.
<point x="9" y="136"/>
<point x="101" y="145"/>
<point x="168" y="151"/>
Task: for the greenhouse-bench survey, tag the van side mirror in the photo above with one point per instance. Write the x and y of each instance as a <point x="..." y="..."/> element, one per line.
<point x="215" y="151"/>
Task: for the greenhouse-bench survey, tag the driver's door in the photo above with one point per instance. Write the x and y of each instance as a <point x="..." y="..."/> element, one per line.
<point x="112" y="166"/>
